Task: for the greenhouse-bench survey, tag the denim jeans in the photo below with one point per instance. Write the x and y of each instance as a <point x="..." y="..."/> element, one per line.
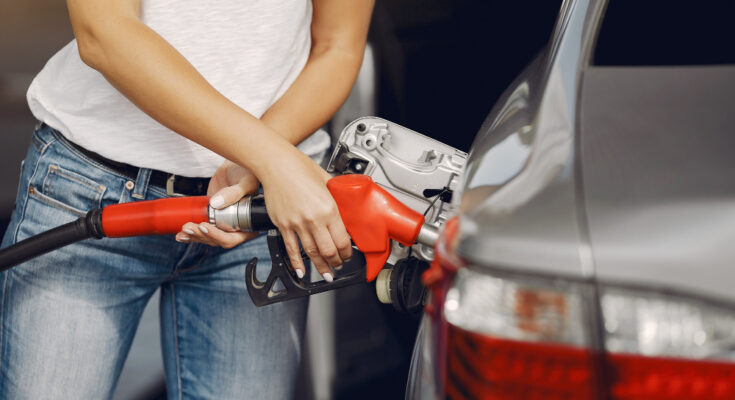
<point x="68" y="317"/>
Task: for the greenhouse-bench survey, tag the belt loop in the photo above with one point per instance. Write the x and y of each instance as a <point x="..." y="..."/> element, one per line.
<point x="141" y="183"/>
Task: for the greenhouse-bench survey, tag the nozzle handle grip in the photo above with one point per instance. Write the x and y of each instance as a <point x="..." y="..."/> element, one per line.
<point x="373" y="217"/>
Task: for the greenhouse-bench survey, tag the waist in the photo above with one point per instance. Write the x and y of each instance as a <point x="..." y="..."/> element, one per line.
<point x="174" y="185"/>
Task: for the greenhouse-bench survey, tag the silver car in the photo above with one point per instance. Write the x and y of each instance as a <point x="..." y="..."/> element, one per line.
<point x="593" y="254"/>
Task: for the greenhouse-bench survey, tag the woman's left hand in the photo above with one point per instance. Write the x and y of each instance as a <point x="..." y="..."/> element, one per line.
<point x="229" y="184"/>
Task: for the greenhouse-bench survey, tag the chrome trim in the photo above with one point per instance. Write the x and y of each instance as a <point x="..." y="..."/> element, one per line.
<point x="243" y="214"/>
<point x="211" y="214"/>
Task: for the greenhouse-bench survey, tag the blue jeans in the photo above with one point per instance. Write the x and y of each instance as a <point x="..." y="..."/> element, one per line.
<point x="68" y="317"/>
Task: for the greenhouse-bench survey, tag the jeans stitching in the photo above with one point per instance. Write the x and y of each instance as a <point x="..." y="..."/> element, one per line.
<point x="47" y="195"/>
<point x="57" y="170"/>
<point x="41" y="145"/>
<point x="25" y="201"/>
<point x="197" y="265"/>
<point x="189" y="249"/>
<point x="34" y="141"/>
<point x="176" y="341"/>
<point x="50" y="201"/>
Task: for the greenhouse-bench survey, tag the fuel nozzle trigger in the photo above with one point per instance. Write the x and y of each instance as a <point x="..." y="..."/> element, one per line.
<point x="292" y="287"/>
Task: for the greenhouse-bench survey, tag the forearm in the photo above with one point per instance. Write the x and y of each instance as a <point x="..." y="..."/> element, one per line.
<point x="163" y="84"/>
<point x="318" y="92"/>
<point x="338" y="32"/>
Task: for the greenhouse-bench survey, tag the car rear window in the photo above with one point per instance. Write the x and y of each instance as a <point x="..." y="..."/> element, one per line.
<point x="652" y="32"/>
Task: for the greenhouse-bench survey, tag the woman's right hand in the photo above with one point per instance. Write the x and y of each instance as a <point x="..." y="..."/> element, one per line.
<point x="302" y="208"/>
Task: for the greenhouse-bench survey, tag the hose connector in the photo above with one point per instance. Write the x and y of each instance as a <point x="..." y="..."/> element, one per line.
<point x="247" y="215"/>
<point x="235" y="217"/>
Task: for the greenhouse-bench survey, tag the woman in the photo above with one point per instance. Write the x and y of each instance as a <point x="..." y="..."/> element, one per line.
<point x="151" y="99"/>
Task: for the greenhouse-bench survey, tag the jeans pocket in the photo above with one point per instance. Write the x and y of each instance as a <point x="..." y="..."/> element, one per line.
<point x="68" y="190"/>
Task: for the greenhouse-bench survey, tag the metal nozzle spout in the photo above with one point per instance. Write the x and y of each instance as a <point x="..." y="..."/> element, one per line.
<point x="428" y="235"/>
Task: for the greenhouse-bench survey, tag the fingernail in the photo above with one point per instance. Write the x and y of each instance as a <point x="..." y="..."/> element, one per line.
<point x="203" y="229"/>
<point x="327" y="276"/>
<point x="217" y="201"/>
<point x="189" y="231"/>
<point x="184" y="239"/>
<point x="337" y="267"/>
<point x="300" y="273"/>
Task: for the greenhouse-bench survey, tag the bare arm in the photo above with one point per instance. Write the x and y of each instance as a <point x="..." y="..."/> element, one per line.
<point x="339" y="31"/>
<point x="161" y="82"/>
<point x="338" y="34"/>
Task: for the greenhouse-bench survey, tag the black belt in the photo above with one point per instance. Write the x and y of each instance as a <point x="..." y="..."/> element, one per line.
<point x="173" y="185"/>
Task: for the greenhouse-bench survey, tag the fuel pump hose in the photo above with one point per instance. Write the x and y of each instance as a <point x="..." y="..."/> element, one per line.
<point x="151" y="217"/>
<point x="89" y="226"/>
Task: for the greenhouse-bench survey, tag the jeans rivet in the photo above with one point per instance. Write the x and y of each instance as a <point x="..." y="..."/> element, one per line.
<point x="31" y="189"/>
<point x="129" y="185"/>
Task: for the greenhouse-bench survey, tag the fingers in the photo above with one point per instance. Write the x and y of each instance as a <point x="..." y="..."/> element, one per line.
<point x="324" y="240"/>
<point x="341" y="239"/>
<point x="211" y="235"/>
<point x="294" y="252"/>
<point x="326" y="246"/>
<point x="227" y="196"/>
<point x="315" y="254"/>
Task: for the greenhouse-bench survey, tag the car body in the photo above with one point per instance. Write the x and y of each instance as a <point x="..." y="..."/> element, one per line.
<point x="592" y="255"/>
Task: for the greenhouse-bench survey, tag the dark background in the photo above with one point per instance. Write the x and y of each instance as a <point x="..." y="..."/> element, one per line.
<point x="441" y="65"/>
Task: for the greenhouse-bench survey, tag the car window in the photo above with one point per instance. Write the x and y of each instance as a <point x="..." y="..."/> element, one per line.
<point x="651" y="32"/>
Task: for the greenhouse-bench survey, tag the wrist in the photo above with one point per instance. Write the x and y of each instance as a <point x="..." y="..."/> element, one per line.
<point x="270" y="158"/>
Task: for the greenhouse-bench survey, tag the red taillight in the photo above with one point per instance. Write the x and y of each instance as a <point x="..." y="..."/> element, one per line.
<point x="634" y="377"/>
<point x="509" y="336"/>
<point x="483" y="367"/>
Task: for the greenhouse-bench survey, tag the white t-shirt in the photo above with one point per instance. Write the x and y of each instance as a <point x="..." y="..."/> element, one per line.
<point x="250" y="51"/>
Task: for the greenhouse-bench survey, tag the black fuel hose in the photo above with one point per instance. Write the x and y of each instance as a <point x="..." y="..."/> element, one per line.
<point x="89" y="226"/>
<point x="161" y="216"/>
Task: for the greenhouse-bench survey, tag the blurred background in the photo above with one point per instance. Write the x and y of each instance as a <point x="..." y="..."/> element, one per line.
<point x="434" y="66"/>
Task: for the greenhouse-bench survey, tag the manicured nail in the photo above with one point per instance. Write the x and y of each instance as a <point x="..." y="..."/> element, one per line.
<point x="337" y="267"/>
<point x="328" y="276"/>
<point x="217" y="201"/>
<point x="300" y="273"/>
<point x="203" y="229"/>
<point x="184" y="239"/>
<point x="189" y="231"/>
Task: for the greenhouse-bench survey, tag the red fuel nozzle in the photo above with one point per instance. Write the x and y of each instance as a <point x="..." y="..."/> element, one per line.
<point x="162" y="216"/>
<point x="372" y="217"/>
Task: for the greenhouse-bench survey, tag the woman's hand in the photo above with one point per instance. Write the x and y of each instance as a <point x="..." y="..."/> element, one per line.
<point x="300" y="205"/>
<point x="229" y="184"/>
